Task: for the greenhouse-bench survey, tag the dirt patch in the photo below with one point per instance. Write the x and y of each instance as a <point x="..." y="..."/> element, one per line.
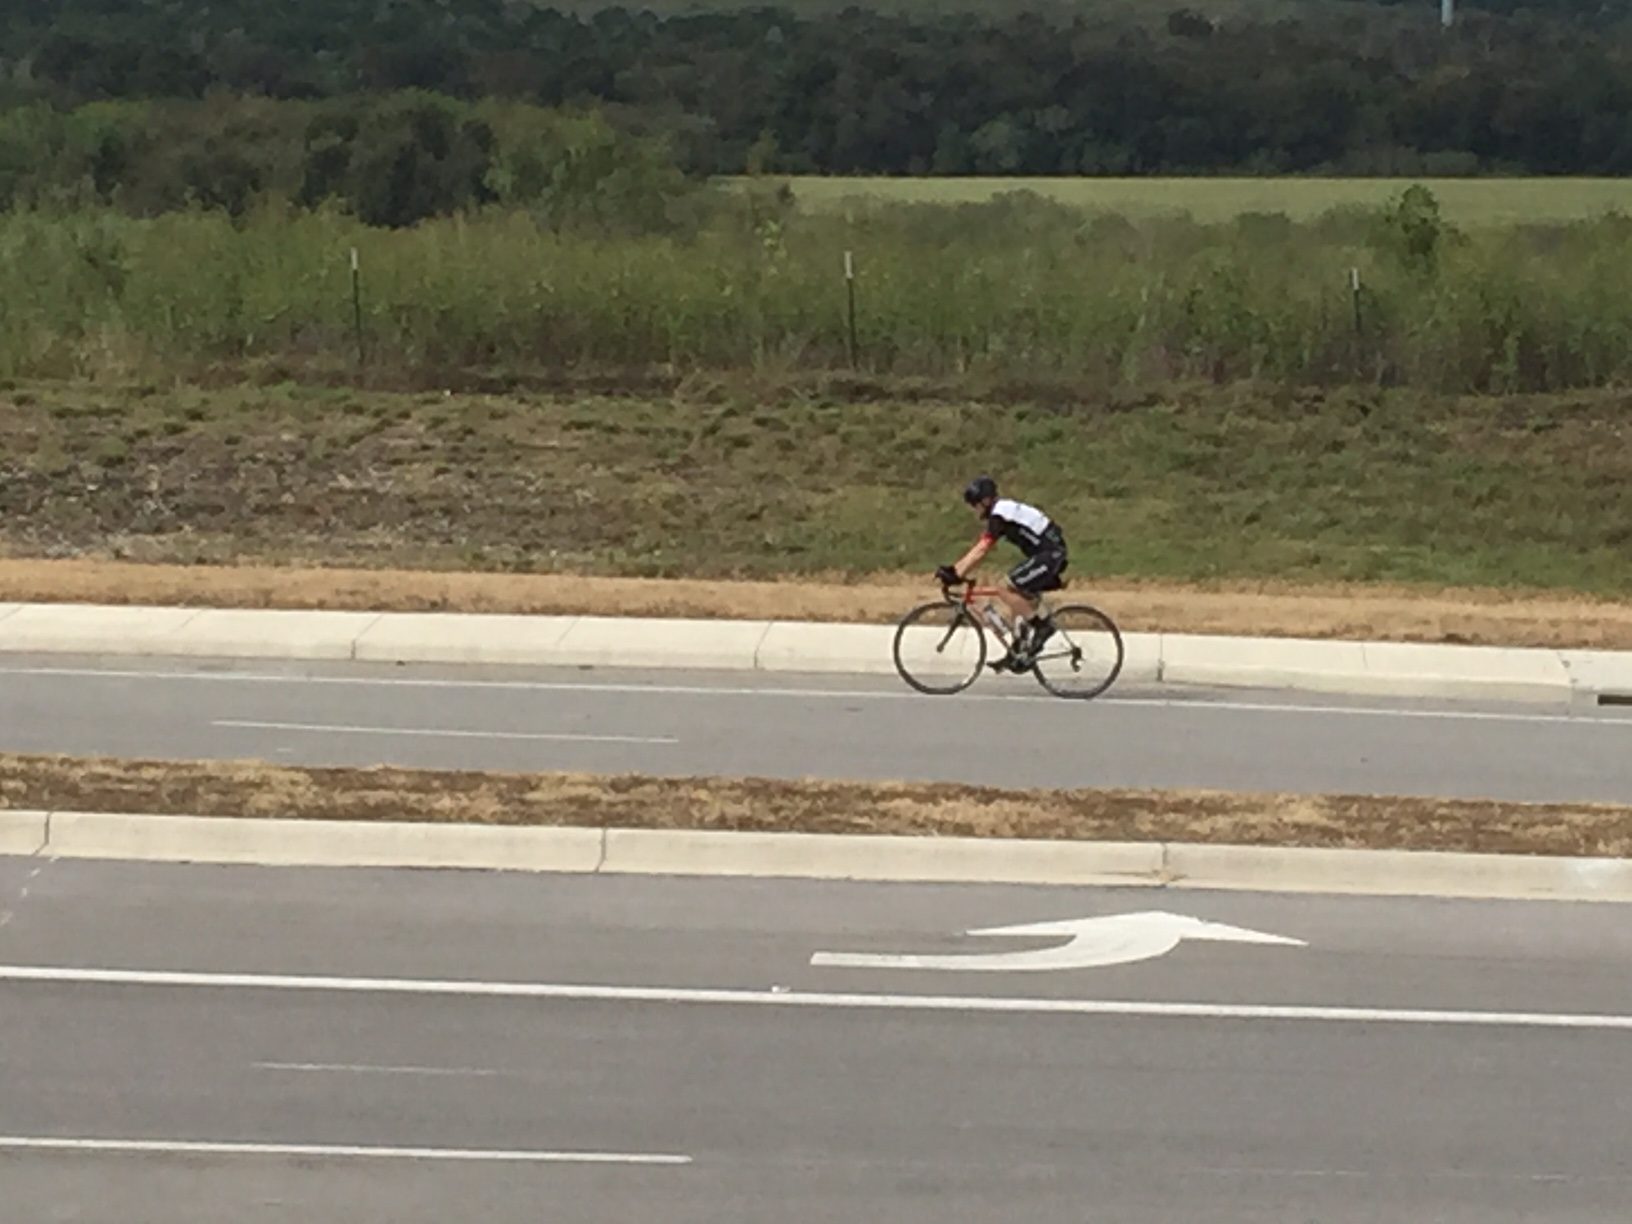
<point x="255" y="790"/>
<point x="1265" y="609"/>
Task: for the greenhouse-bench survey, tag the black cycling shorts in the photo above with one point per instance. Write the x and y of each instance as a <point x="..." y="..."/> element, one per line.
<point x="1040" y="572"/>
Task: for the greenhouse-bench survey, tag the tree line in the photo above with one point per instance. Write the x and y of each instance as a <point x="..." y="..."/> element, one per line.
<point x="1352" y="88"/>
<point x="389" y="159"/>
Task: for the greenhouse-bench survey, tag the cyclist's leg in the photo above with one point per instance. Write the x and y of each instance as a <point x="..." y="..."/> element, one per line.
<point x="1021" y="606"/>
<point x="1028" y="582"/>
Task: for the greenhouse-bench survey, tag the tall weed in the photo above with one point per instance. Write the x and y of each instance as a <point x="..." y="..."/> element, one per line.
<point x="1004" y="290"/>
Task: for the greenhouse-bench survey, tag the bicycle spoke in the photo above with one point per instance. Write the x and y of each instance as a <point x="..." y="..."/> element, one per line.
<point x="1085" y="655"/>
<point x="939" y="648"/>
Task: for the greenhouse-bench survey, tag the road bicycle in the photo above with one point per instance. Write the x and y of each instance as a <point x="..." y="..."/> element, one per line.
<point x="940" y="648"/>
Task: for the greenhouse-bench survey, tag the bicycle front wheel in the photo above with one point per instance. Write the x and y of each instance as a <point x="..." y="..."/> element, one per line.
<point x="1084" y="657"/>
<point x="939" y="648"/>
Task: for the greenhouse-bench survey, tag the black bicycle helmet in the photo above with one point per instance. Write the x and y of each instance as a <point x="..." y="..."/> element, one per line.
<point x="979" y="489"/>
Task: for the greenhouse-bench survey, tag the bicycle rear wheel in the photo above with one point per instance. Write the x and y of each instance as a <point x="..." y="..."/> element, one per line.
<point x="1084" y="657"/>
<point x="939" y="648"/>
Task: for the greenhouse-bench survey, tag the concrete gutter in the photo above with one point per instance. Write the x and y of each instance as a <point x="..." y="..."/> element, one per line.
<point x="1367" y="668"/>
<point x="611" y="851"/>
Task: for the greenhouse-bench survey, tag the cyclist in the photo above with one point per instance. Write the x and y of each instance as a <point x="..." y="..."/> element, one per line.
<point x="1043" y="543"/>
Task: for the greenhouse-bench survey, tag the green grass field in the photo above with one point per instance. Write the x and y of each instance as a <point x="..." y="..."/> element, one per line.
<point x="728" y="480"/>
<point x="1466" y="201"/>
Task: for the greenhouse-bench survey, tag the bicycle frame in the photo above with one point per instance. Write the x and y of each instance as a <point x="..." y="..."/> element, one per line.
<point x="973" y="610"/>
<point x="1000" y="628"/>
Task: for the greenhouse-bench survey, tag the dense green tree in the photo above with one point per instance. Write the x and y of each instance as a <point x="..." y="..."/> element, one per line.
<point x="1542" y="86"/>
<point x="392" y="159"/>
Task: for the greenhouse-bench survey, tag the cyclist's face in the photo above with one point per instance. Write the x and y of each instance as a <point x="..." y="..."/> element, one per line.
<point x="982" y="508"/>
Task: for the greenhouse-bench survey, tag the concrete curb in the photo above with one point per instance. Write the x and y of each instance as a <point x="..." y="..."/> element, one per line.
<point x="243" y="840"/>
<point x="1367" y="668"/>
<point x="330" y="843"/>
<point x="831" y="856"/>
<point x="23" y="832"/>
<point x="1402" y="873"/>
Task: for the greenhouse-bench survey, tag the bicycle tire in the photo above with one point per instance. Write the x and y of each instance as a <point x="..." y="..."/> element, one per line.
<point x="939" y="627"/>
<point x="1085" y="655"/>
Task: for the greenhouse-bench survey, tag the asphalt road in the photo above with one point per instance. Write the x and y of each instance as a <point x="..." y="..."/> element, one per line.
<point x="1006" y="732"/>
<point x="787" y="1091"/>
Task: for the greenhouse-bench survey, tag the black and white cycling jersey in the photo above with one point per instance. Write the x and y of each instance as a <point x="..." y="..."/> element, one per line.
<point x="1026" y="527"/>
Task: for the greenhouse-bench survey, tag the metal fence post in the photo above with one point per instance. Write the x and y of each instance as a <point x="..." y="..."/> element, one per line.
<point x="850" y="295"/>
<point x="357" y="303"/>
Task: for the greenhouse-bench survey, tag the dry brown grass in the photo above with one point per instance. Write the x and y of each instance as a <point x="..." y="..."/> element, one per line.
<point x="251" y="789"/>
<point x="1262" y="609"/>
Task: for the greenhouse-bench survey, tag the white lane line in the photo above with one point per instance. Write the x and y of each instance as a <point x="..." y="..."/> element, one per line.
<point x="441" y="732"/>
<point x="7" y="914"/>
<point x="1408" y="1174"/>
<point x="371" y="1069"/>
<point x="874" y="1002"/>
<point x="1199" y="705"/>
<point x="1209" y="1171"/>
<point x="19" y="1143"/>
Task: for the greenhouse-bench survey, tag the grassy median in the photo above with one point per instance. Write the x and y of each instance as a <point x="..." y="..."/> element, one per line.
<point x="253" y="790"/>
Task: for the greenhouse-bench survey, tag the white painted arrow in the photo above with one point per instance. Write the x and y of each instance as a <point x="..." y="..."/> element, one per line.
<point x="1114" y="939"/>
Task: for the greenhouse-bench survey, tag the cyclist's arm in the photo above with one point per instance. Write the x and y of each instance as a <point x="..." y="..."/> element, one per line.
<point x="976" y="554"/>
